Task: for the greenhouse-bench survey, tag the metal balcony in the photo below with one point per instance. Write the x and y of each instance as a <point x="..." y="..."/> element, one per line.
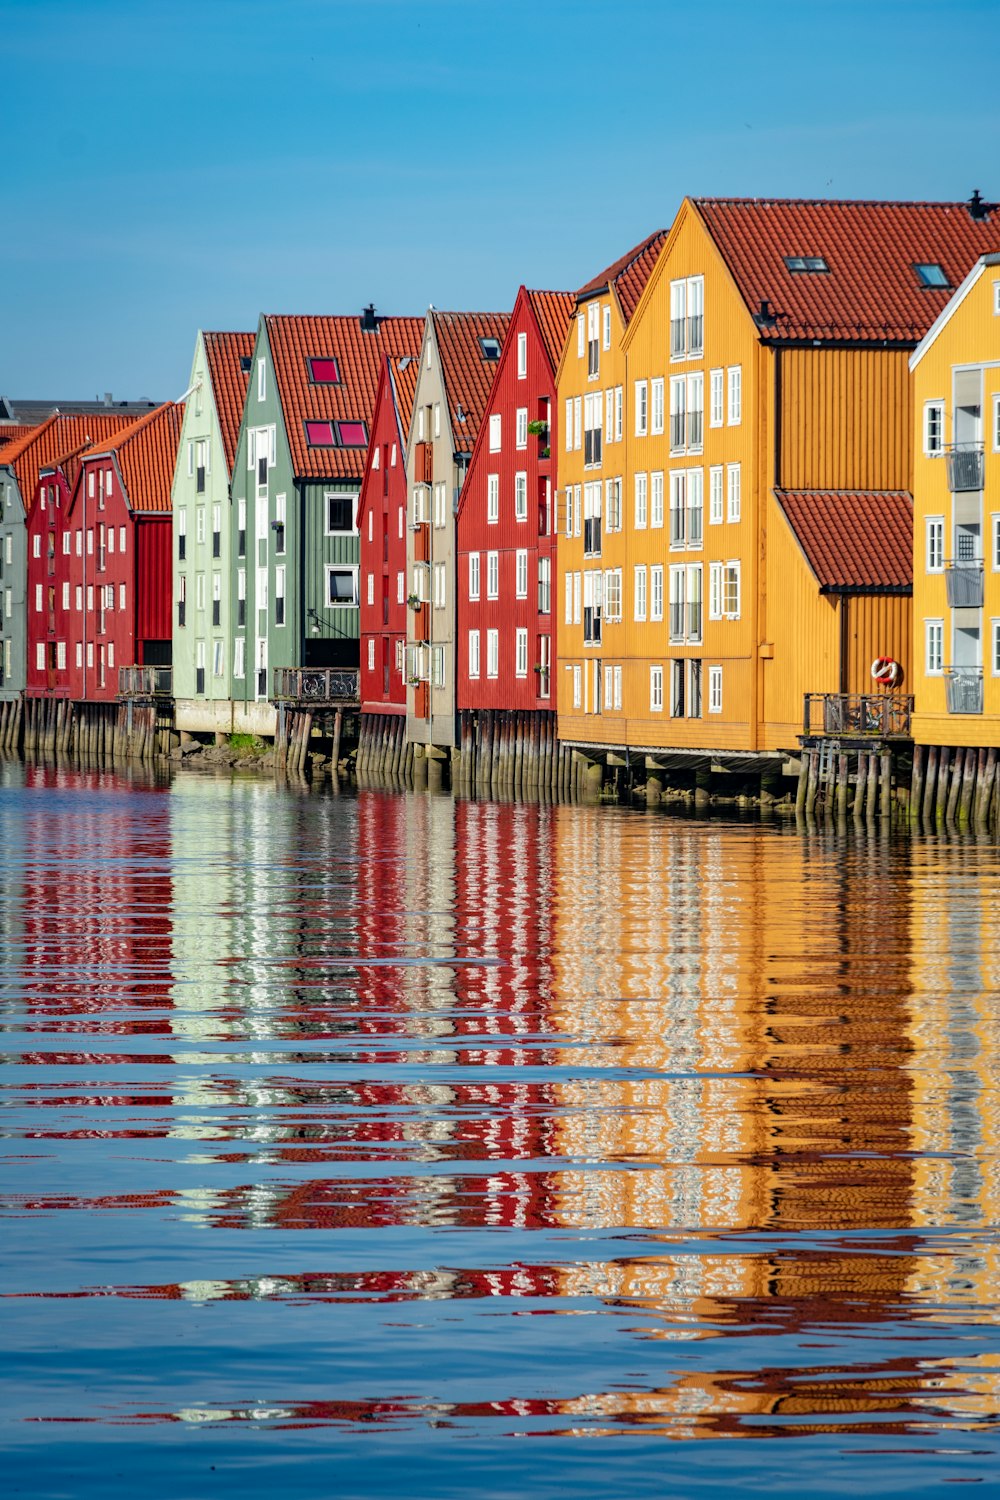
<point x="964" y="583"/>
<point x="857" y="715"/>
<point x="317" y="685"/>
<point x="145" y="682"/>
<point x="964" y="463"/>
<point x="964" y="686"/>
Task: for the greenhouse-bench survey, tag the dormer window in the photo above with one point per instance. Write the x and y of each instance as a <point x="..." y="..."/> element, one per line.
<point x="324" y="372"/>
<point x="490" y="348"/>
<point x="932" y="275"/>
<point x="798" y="264"/>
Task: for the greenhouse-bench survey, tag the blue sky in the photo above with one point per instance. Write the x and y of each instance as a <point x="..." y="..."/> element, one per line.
<point x="195" y="162"/>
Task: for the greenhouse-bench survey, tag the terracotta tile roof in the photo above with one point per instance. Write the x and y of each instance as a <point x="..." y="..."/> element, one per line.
<point x="403" y="373"/>
<point x="10" y="430"/>
<point x="39" y="447"/>
<point x="468" y="375"/>
<point x="553" y="311"/>
<point x="296" y="340"/>
<point x="223" y="352"/>
<point x="857" y="540"/>
<point x="629" y="274"/>
<point x="871" y="290"/>
<point x="146" y="451"/>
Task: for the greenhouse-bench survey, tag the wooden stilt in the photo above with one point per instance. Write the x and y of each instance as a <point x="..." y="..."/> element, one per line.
<point x="986" y="779"/>
<point x="917" y="781"/>
<point x="885" y="785"/>
<point x="858" y="807"/>
<point x="968" y="788"/>
<point x="871" y="802"/>
<point x="944" y="771"/>
<point x="957" y="767"/>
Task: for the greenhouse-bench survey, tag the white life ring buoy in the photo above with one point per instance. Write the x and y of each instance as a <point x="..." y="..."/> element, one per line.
<point x="886" y="672"/>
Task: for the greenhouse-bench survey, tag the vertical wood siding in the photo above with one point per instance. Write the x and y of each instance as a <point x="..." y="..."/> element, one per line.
<point x="846" y="419"/>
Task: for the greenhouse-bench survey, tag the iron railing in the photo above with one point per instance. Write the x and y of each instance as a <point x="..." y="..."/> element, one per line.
<point x="853" y="715"/>
<point x="316" y="685"/>
<point x="964" y="462"/>
<point x="964" y="584"/>
<point x="145" y="682"/>
<point x="964" y="687"/>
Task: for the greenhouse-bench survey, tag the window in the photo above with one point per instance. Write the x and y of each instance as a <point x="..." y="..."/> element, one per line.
<point x="199" y="591"/>
<point x="522" y="356"/>
<point x="520" y="497"/>
<point x="678" y="507"/>
<point x="490" y="348"/>
<point x="933" y="428"/>
<point x="121" y="540"/>
<point x="612" y="505"/>
<point x="934" y="647"/>
<point x="656" y="592"/>
<point x="351" y="434"/>
<point x="473" y="653"/>
<point x="639" y="594"/>
<point x="121" y="596"/>
<point x="218" y="657"/>
<point x="181" y="599"/>
<point x="656" y="690"/>
<point x="733" y="488"/>
<point x="437" y="419"/>
<point x="577" y="422"/>
<point x="200" y="527"/>
<point x="593" y="596"/>
<point x="593" y="418"/>
<point x="618" y="413"/>
<point x="521" y="427"/>
<point x="734" y="385"/>
<point x="715" y="511"/>
<point x="731" y="590"/>
<point x="569" y="424"/>
<point x="715" y="379"/>
<point x="342" y="587"/>
<point x="613" y="594"/>
<point x="678" y="411"/>
<point x="609" y="416"/>
<point x="217" y="597"/>
<point x="996" y="424"/>
<point x="656" y="499"/>
<point x="67" y="541"/>
<point x="687" y="320"/>
<point x="473" y="575"/>
<point x="995" y="654"/>
<point x="577" y="511"/>
<point x="279" y="525"/>
<point x="216" y="530"/>
<point x="320" y="434"/>
<point x="656" y="398"/>
<point x="400" y="588"/>
<point x="495" y="432"/>
<point x="640" y="502"/>
<point x="577" y="687"/>
<point x="440" y="505"/>
<point x="695" y="506"/>
<point x="241" y="527"/>
<point x="695" y="411"/>
<point x="996" y="299"/>
<point x="261" y="380"/>
<point x="492" y="653"/>
<point x="607" y="328"/>
<point x="65" y="596"/>
<point x="935" y="544"/>
<point x="592" y="518"/>
<point x="715" y="690"/>
<point x="544" y="585"/>
<point x="932" y="275"/>
<point x="492" y="575"/>
<point x="241" y="597"/>
<point x="593" y="340"/>
<point x="577" y="598"/>
<point x="520" y="652"/>
<point x="493" y="498"/>
<point x="323" y="371"/>
<point x="521" y="574"/>
<point x="440" y="585"/>
<point x="640" y="408"/>
<point x="340" y="516"/>
<point x="36" y="546"/>
<point x="805" y="263"/>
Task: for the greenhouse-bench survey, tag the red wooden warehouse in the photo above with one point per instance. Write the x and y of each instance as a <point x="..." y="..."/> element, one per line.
<point x="506" y="553"/>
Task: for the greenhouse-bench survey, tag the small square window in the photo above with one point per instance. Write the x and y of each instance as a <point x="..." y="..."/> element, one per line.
<point x="490" y="348"/>
<point x="319" y="434"/>
<point x="352" y="434"/>
<point x="324" y="372"/>
<point x="932" y="275"/>
<point x="246" y="363"/>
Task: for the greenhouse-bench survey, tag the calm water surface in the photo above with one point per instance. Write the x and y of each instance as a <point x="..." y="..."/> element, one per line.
<point x="386" y="1145"/>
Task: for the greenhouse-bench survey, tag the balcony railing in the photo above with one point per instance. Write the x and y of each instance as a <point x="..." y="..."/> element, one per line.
<point x="145" y="682"/>
<point x="316" y="685"/>
<point x="964" y="687"/>
<point x="964" y="462"/>
<point x="964" y="583"/>
<point x="858" y="715"/>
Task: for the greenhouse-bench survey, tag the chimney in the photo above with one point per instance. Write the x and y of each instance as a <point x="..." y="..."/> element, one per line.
<point x="369" y="322"/>
<point x="108" y="399"/>
<point x="977" y="208"/>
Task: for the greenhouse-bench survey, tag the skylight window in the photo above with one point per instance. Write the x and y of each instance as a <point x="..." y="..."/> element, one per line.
<point x="490" y="348"/>
<point x="319" y="434"/>
<point x="351" y="434"/>
<point x="246" y="363"/>
<point x="932" y="275"/>
<point x="800" y="263"/>
<point x="336" y="434"/>
<point x="324" y="372"/>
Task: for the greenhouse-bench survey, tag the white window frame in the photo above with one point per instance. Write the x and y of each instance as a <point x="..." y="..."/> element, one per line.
<point x="716" y="499"/>
<point x="656" y="690"/>
<point x="606" y="321"/>
<point x="521" y="573"/>
<point x="641" y="501"/>
<point x="521" y="495"/>
<point x="656" y="405"/>
<point x="474" y="653"/>
<point x="734" y="395"/>
<point x="731" y="571"/>
<point x="639" y="592"/>
<point x="715" y="690"/>
<point x="934" y="544"/>
<point x="641" y="408"/>
<point x="340" y="568"/>
<point x="734" y="492"/>
<point x="716" y="397"/>
<point x="521" y="651"/>
<point x="522" y="356"/>
<point x="933" y="428"/>
<point x="934" y="653"/>
<point x="493" y="575"/>
<point x="474" y="575"/>
<point x="656" y="592"/>
<point x="492" y="653"/>
<point x="496" y="432"/>
<point x="521" y="427"/>
<point x="492" y="499"/>
<point x="336" y="495"/>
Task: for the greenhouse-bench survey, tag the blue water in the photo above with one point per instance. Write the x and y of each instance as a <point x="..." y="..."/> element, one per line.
<point x="373" y="1145"/>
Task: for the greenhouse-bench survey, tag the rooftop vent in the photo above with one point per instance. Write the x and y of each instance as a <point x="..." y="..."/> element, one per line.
<point x="976" y="206"/>
<point x="369" y="322"/>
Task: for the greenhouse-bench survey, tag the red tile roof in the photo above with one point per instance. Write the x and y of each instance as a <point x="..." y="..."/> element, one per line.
<point x="38" y="448"/>
<point x="871" y="291"/>
<point x="293" y="342"/>
<point x="403" y="372"/>
<point x="553" y="311"/>
<point x="467" y="374"/>
<point x="10" y="430"/>
<point x="223" y="352"/>
<point x="855" y="540"/>
<point x="629" y="274"/>
<point x="147" y="452"/>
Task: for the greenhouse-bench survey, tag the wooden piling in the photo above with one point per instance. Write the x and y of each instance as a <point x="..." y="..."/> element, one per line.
<point x="885" y="785"/>
<point x="871" y="797"/>
<point x="944" y="772"/>
<point x="858" y="807"/>
<point x="917" y="781"/>
<point x="842" y="786"/>
<point x="967" y="789"/>
<point x="984" y="785"/>
<point x="954" y="786"/>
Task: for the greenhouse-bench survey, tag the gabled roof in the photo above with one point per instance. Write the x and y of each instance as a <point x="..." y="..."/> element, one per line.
<point x="553" y="311"/>
<point x="403" y="373"/>
<point x="38" y="448"/>
<point x="628" y="275"/>
<point x="224" y="353"/>
<point x="146" y="453"/>
<point x="466" y="372"/>
<point x="10" y="430"/>
<point x="293" y="341"/>
<point x="871" y="291"/>
<point x="855" y="541"/>
<point x="951" y="307"/>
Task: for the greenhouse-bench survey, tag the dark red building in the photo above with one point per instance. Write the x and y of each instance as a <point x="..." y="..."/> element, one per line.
<point x="506" y="544"/>
<point x="382" y="520"/>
